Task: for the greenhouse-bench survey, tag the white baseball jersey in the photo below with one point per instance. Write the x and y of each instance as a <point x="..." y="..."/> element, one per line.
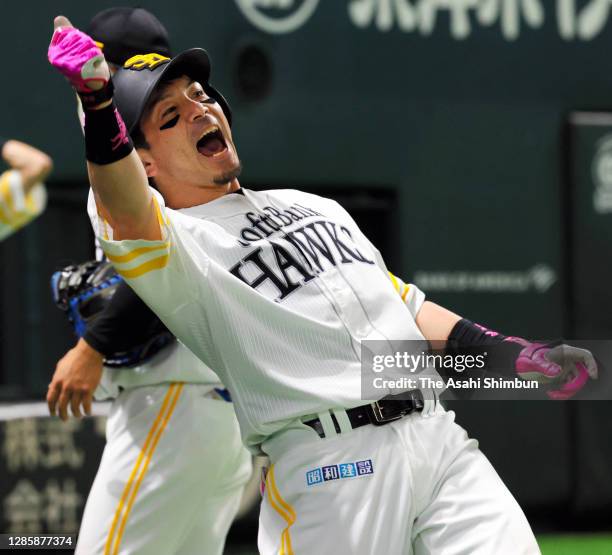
<point x="16" y="208"/>
<point x="275" y="290"/>
<point x="174" y="363"/>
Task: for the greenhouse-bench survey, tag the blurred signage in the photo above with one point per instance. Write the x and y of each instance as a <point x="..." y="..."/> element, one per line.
<point x="601" y="171"/>
<point x="47" y="468"/>
<point x="277" y="16"/>
<point x="589" y="203"/>
<point x="538" y="279"/>
<point x="574" y="20"/>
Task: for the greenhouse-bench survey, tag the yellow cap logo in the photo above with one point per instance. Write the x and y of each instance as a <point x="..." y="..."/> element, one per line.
<point x="145" y="61"/>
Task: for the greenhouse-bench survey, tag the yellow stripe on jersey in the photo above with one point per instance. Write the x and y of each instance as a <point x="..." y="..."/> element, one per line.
<point x="106" y="235"/>
<point x="6" y="194"/>
<point x="122" y="259"/>
<point x="400" y="286"/>
<point x="142" y="264"/>
<point x="30" y="205"/>
<point x="283" y="508"/>
<point x="395" y="282"/>
<point x="146" y="452"/>
<point x="13" y="217"/>
<point x="153" y="264"/>
<point x="4" y="219"/>
<point x="158" y="212"/>
<point x="4" y="189"/>
<point x="7" y="209"/>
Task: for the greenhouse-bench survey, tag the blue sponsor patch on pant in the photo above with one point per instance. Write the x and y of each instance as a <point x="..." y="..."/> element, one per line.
<point x="330" y="472"/>
<point x="314" y="476"/>
<point x="347" y="470"/>
<point x="365" y="467"/>
<point x="340" y="471"/>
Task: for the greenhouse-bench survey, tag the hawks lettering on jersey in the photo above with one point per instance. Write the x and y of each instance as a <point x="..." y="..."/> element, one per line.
<point x="319" y="244"/>
<point x="274" y="290"/>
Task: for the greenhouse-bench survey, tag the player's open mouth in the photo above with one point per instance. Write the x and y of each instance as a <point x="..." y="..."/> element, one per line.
<point x="212" y="142"/>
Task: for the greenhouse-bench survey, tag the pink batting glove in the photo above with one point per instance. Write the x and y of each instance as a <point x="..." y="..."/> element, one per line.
<point x="77" y="57"/>
<point x="565" y="368"/>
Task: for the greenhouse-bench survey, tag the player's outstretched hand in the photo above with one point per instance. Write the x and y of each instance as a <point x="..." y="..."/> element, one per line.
<point x="75" y="380"/>
<point x="77" y="57"/>
<point x="564" y="368"/>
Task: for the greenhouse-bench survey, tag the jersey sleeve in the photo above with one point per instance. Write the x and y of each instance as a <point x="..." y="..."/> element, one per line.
<point x="166" y="274"/>
<point x="412" y="296"/>
<point x="17" y="208"/>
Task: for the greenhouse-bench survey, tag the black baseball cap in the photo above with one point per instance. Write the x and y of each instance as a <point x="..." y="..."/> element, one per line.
<point x="136" y="80"/>
<point x="124" y="32"/>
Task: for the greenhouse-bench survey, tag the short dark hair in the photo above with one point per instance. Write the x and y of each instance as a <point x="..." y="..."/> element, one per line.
<point x="138" y="138"/>
<point x="139" y="141"/>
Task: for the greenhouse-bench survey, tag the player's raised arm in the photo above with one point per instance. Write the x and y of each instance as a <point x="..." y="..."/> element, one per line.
<point x="115" y="171"/>
<point x="33" y="164"/>
<point x="22" y="193"/>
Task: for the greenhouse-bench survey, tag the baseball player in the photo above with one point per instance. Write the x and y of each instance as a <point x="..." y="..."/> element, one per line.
<point x="22" y="194"/>
<point x="276" y="290"/>
<point x="173" y="469"/>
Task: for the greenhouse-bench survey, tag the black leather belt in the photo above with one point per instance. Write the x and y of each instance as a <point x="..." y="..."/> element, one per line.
<point x="378" y="413"/>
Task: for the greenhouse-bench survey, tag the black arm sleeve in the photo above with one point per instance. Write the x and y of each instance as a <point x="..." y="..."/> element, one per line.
<point x="469" y="338"/>
<point x="125" y="323"/>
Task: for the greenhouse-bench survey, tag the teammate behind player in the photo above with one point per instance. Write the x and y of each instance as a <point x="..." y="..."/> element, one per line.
<point x="173" y="468"/>
<point x="124" y="32"/>
<point x="22" y="194"/>
<point x="276" y="290"/>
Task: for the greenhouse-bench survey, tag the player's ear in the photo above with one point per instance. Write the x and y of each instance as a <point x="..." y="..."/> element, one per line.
<point x="147" y="161"/>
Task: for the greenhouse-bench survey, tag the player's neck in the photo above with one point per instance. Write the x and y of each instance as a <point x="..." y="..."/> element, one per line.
<point x="186" y="196"/>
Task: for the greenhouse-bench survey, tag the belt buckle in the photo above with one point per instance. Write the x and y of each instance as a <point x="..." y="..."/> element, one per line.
<point x="415" y="402"/>
<point x="380" y="418"/>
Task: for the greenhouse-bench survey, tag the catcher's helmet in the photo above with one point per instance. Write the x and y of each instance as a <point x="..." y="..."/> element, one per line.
<point x="136" y="80"/>
<point x="83" y="291"/>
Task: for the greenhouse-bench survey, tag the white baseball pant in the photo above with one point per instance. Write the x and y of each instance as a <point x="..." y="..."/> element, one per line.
<point x="414" y="486"/>
<point x="171" y="476"/>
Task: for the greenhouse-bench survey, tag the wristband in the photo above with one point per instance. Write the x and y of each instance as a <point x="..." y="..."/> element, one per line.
<point x="468" y="334"/>
<point x="106" y="137"/>
<point x="93" y="98"/>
